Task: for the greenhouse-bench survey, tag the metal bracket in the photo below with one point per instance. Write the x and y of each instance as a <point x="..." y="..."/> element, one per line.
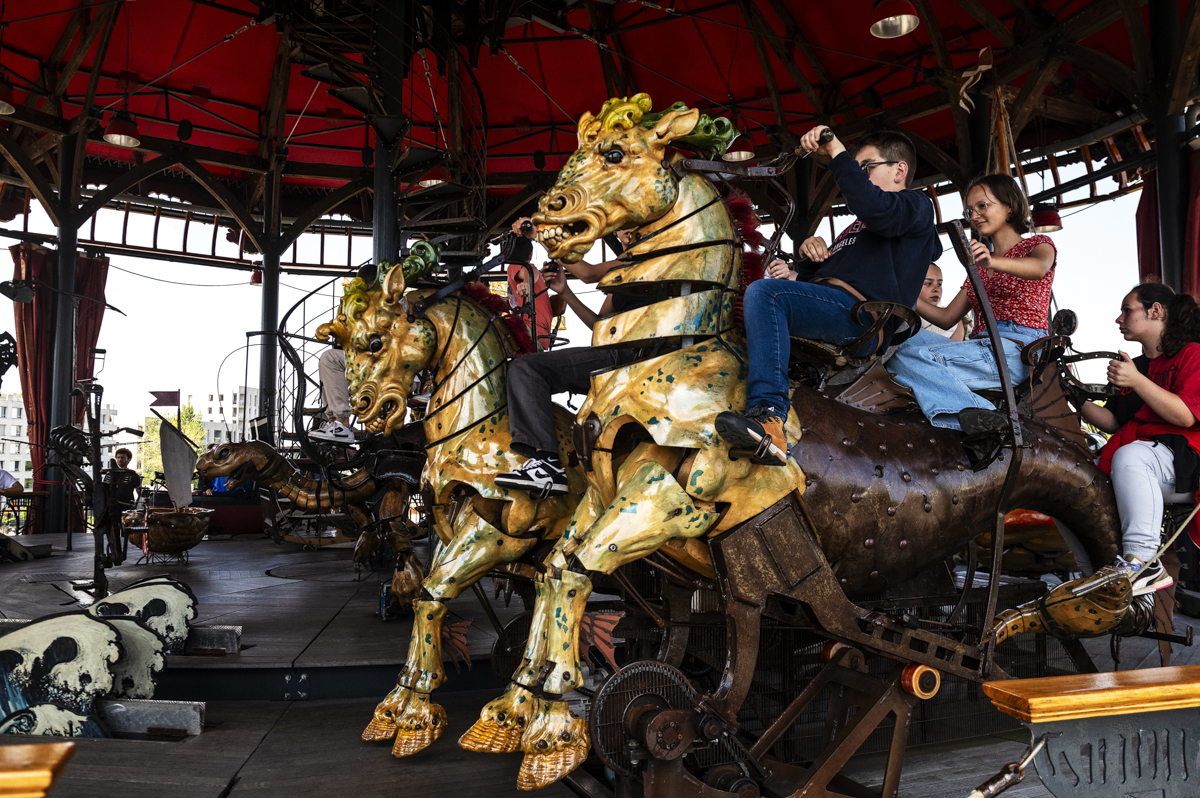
<point x="295" y="686"/>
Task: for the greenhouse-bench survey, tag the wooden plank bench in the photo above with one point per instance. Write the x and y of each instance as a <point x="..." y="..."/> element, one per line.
<point x="1111" y="734"/>
<point x="28" y="771"/>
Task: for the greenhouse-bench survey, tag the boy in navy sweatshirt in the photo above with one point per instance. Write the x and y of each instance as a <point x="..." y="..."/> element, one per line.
<point x="883" y="255"/>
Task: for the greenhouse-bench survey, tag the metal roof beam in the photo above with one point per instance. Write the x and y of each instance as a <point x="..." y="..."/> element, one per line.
<point x="34" y="179"/>
<point x="962" y="131"/>
<point x="1180" y="86"/>
<point x="124" y="183"/>
<point x="221" y="193"/>
<point x="988" y="20"/>
<point x="761" y="31"/>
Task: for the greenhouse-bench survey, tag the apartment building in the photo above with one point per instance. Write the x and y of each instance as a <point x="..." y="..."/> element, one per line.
<point x="226" y="414"/>
<point x="14" y="437"/>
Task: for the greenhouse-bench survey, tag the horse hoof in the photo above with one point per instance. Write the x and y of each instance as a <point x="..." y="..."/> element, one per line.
<point x="502" y="723"/>
<point x="383" y="724"/>
<point x="379" y="730"/>
<point x="419" y="725"/>
<point x="554" y="744"/>
<point x="411" y="741"/>
<point x="542" y="770"/>
<point x="489" y="737"/>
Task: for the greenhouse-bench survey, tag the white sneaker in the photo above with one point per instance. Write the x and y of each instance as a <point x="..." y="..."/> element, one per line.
<point x="333" y="432"/>
<point x="536" y="476"/>
<point x="1143" y="578"/>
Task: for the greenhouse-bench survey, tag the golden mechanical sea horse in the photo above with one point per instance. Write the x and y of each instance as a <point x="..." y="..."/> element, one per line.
<point x="658" y="476"/>
<point x="462" y="342"/>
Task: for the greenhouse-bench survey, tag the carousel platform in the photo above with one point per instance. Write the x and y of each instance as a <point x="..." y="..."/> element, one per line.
<point x="309" y="623"/>
<point x="305" y="612"/>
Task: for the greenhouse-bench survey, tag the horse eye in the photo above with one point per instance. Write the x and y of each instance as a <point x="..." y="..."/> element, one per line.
<point x="614" y="156"/>
<point x="376" y="344"/>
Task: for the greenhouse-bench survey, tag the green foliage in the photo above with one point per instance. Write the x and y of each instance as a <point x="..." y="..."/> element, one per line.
<point x="150" y="459"/>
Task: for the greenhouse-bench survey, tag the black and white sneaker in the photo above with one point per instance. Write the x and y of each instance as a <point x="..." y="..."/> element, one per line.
<point x="333" y="432"/>
<point x="537" y="476"/>
<point x="1142" y="578"/>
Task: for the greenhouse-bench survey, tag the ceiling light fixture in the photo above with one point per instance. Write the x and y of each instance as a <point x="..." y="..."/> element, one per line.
<point x="434" y="177"/>
<point x="122" y="131"/>
<point x="1046" y="218"/>
<point x="894" y="18"/>
<point x="740" y="149"/>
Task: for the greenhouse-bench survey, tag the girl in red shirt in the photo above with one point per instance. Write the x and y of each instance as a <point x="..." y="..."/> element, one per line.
<point x="1154" y="457"/>
<point x="943" y="374"/>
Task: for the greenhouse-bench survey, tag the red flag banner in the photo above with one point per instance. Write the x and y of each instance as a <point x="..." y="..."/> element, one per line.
<point x="165" y="398"/>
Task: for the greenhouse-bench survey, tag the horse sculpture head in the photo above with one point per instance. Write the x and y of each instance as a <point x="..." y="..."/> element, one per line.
<point x="619" y="177"/>
<point x="386" y="346"/>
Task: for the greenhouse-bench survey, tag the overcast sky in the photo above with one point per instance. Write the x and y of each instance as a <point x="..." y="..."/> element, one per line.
<point x="190" y="334"/>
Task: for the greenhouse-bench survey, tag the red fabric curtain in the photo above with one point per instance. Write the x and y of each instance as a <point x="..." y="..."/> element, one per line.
<point x="91" y="275"/>
<point x="35" y="341"/>
<point x="34" y="335"/>
<point x="1147" y="230"/>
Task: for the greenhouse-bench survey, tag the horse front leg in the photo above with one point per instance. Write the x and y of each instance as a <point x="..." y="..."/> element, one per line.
<point x="650" y="508"/>
<point x="408" y="713"/>
<point x="503" y="722"/>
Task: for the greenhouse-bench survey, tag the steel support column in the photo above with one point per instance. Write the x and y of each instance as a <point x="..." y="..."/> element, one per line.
<point x="1172" y="172"/>
<point x="391" y="63"/>
<point x="268" y="362"/>
<point x="62" y="351"/>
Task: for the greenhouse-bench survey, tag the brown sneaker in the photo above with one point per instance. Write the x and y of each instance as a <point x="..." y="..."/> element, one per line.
<point x="759" y="430"/>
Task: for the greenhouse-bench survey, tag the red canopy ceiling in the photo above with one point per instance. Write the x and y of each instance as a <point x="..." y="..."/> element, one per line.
<point x="699" y="51"/>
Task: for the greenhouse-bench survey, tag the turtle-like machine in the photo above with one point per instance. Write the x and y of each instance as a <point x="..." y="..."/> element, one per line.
<point x="869" y="501"/>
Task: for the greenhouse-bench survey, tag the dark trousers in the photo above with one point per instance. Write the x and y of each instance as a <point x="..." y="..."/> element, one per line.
<point x="533" y="379"/>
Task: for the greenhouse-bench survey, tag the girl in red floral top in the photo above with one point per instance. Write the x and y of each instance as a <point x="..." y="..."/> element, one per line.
<point x="943" y="374"/>
<point x="1155" y="454"/>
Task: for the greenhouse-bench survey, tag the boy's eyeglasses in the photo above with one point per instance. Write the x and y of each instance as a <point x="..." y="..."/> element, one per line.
<point x="867" y="166"/>
<point x="978" y="209"/>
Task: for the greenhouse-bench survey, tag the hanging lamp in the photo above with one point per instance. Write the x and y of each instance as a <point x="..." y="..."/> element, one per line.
<point x="122" y="131"/>
<point x="894" y="18"/>
<point x="740" y="149"/>
<point x="1046" y="218"/>
<point x="8" y="102"/>
<point x="434" y="177"/>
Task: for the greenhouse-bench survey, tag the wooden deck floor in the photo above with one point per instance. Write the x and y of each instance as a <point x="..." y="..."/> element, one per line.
<point x="307" y="609"/>
<point x="297" y="608"/>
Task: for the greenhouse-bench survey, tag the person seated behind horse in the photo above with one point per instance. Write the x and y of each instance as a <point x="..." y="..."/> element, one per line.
<point x="518" y="255"/>
<point x="944" y="375"/>
<point x="1153" y="455"/>
<point x="533" y="379"/>
<point x="931" y="292"/>
<point x="882" y="255"/>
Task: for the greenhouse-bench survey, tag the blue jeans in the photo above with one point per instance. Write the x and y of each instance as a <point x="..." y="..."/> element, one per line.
<point x="944" y="374"/>
<point x="776" y="310"/>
